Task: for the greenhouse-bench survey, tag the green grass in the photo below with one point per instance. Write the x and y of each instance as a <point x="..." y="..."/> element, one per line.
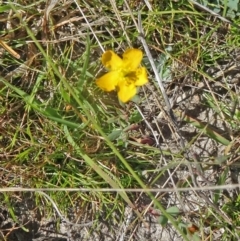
<point x="58" y="130"/>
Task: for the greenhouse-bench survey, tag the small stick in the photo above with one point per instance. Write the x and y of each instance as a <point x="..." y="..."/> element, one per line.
<point x="9" y="49"/>
<point x="61" y="216"/>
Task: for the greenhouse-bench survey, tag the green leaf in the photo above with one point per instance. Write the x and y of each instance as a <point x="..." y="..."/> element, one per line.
<point x="195" y="237"/>
<point x="4" y="8"/>
<point x="114" y="135"/>
<point x="174" y="211"/>
<point x="233" y="4"/>
<point x="136" y="99"/>
<point x="183" y="227"/>
<point x="135" y="117"/>
<point x="163" y="220"/>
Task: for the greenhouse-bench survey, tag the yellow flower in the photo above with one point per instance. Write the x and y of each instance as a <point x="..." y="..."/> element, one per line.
<point x="124" y="73"/>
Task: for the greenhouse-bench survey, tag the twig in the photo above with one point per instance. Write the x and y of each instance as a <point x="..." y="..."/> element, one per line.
<point x="135" y="190"/>
<point x="141" y="36"/>
<point x="212" y="13"/>
<point x="81" y="225"/>
<point x="89" y="25"/>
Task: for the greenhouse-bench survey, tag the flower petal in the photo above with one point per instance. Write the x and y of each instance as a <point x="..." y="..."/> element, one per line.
<point x="132" y="59"/>
<point x="111" y="60"/>
<point x="141" y="76"/>
<point x="109" y="81"/>
<point x="126" y="90"/>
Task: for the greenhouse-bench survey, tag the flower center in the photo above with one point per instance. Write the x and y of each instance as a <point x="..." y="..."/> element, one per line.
<point x="131" y="77"/>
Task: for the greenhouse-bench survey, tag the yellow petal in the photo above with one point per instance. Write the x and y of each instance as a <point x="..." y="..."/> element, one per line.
<point x="132" y="59"/>
<point x="126" y="90"/>
<point x="141" y="76"/>
<point x="109" y="81"/>
<point x="111" y="60"/>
